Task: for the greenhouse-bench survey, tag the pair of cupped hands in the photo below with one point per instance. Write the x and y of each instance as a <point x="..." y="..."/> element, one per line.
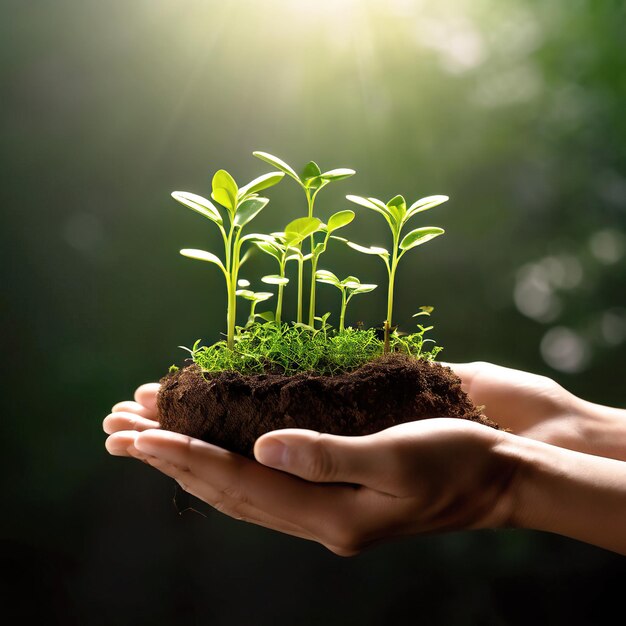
<point x="347" y="493"/>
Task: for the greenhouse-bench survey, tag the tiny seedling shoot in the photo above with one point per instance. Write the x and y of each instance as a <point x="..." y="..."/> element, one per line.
<point x="266" y="342"/>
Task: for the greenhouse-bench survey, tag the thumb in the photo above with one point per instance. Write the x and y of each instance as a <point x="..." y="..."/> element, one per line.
<point x="317" y="457"/>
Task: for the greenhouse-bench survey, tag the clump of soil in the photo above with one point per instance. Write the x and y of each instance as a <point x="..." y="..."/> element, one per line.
<point x="232" y="410"/>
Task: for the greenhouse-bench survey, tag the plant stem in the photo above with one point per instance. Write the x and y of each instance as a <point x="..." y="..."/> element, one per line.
<point x="310" y="202"/>
<point x="279" y="303"/>
<point x="392" y="275"/>
<point x="312" y="299"/>
<point x="343" y="310"/>
<point x="300" y="278"/>
<point x="232" y="310"/>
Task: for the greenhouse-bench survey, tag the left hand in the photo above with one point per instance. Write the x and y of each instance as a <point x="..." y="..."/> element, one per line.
<point x="344" y="492"/>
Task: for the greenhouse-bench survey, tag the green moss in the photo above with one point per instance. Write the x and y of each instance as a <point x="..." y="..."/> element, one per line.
<point x="293" y="348"/>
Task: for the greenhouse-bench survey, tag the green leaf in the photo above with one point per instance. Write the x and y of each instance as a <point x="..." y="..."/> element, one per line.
<point x="316" y="182"/>
<point x="350" y="280"/>
<point x="426" y="203"/>
<point x="364" y="288"/>
<point x="203" y="255"/>
<point x="199" y="205"/>
<point x="245" y="293"/>
<point x="225" y="190"/>
<point x="258" y="237"/>
<point x="275" y="279"/>
<point x="268" y="316"/>
<point x="397" y="208"/>
<point x="419" y="236"/>
<point x="324" y="276"/>
<point x="260" y="183"/>
<point x="375" y="205"/>
<point x="338" y="174"/>
<point x="370" y="250"/>
<point x="261" y="296"/>
<point x="310" y="170"/>
<point x="299" y="229"/>
<point x="424" y="310"/>
<point x="248" y="210"/>
<point x="339" y="220"/>
<point x="368" y="203"/>
<point x="278" y="163"/>
<point x="270" y="249"/>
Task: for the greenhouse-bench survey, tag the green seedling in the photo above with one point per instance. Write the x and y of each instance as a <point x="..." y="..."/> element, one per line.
<point x="312" y="180"/>
<point x="349" y="287"/>
<point x="242" y="206"/>
<point x="286" y="246"/>
<point x="397" y="215"/>
<point x="254" y="297"/>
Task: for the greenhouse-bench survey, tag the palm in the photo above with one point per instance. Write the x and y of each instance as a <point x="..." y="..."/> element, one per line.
<point x="526" y="404"/>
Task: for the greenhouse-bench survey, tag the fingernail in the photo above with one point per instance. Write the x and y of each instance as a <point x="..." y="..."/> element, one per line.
<point x="272" y="453"/>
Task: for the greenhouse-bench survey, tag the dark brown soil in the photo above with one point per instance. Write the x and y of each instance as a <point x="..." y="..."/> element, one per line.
<point x="232" y="410"/>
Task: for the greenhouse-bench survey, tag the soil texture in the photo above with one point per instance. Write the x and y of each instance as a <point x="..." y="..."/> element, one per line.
<point x="232" y="410"/>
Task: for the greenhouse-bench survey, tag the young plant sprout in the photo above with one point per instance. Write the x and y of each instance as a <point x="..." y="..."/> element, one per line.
<point x="312" y="180"/>
<point x="397" y="215"/>
<point x="266" y="342"/>
<point x="242" y="206"/>
<point x="285" y="246"/>
<point x="254" y="297"/>
<point x="349" y="287"/>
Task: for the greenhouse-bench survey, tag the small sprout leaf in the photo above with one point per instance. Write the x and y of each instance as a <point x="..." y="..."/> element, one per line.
<point x="310" y="170"/>
<point x="350" y="279"/>
<point x="261" y="296"/>
<point x="424" y="310"/>
<point x="242" y="282"/>
<point x="245" y="293"/>
<point x="339" y="220"/>
<point x="225" y="190"/>
<point x="368" y="203"/>
<point x="248" y="210"/>
<point x="275" y="279"/>
<point x="299" y="229"/>
<point x="269" y="248"/>
<point x="397" y="202"/>
<point x="254" y="237"/>
<point x="260" y="183"/>
<point x="426" y="203"/>
<point x="324" y="276"/>
<point x="199" y="205"/>
<point x="203" y="255"/>
<point x="278" y="163"/>
<point x="338" y="174"/>
<point x="419" y="236"/>
<point x="365" y="288"/>
<point x="370" y="250"/>
<point x="268" y="316"/>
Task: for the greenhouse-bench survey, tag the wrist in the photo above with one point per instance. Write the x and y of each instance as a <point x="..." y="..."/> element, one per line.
<point x="601" y="428"/>
<point x="570" y="493"/>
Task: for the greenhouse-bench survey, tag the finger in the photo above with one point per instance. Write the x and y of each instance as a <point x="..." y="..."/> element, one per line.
<point x="241" y="511"/>
<point x="322" y="458"/>
<point x="128" y="406"/>
<point x="127" y="421"/>
<point x="147" y="395"/>
<point x="121" y="443"/>
<point x="315" y="508"/>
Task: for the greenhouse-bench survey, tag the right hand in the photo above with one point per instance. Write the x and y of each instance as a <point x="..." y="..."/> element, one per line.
<point x="537" y="407"/>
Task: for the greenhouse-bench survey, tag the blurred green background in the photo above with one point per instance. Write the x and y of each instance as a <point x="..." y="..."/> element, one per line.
<point x="515" y="109"/>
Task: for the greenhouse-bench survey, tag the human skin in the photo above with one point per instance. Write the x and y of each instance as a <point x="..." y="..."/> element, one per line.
<point x="561" y="468"/>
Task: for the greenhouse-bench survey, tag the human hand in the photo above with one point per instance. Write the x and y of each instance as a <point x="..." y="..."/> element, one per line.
<point x="539" y="408"/>
<point x="344" y="492"/>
